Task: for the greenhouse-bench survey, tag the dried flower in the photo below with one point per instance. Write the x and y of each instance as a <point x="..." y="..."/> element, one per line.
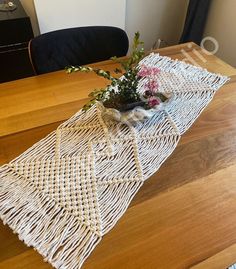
<point x="152" y="85"/>
<point x="155" y="71"/>
<point x="148" y="71"/>
<point x="153" y="101"/>
<point x="123" y="93"/>
<point x="144" y="71"/>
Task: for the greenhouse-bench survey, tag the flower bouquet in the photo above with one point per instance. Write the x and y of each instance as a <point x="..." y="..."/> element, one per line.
<point x="133" y="97"/>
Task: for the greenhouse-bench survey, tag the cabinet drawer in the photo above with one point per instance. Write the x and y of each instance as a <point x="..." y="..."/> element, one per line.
<point x="15" y="31"/>
<point x="15" y="64"/>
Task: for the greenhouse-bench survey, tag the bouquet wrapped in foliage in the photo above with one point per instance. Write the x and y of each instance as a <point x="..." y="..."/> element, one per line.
<point x="121" y="99"/>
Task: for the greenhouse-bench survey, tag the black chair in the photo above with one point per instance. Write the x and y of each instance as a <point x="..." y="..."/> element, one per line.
<point x="76" y="46"/>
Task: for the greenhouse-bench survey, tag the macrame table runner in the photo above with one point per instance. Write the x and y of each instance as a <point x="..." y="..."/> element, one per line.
<point x="68" y="190"/>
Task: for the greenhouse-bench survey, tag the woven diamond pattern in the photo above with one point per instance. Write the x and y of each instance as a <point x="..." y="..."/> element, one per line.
<point x="69" y="181"/>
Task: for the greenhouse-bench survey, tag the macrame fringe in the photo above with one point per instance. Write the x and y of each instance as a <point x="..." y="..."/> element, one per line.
<point x="39" y="222"/>
<point x="112" y="202"/>
<point x="195" y="73"/>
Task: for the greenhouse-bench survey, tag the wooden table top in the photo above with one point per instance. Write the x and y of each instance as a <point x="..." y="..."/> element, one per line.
<point x="183" y="217"/>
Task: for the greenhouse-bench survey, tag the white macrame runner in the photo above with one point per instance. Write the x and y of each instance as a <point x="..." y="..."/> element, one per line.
<point x="68" y="190"/>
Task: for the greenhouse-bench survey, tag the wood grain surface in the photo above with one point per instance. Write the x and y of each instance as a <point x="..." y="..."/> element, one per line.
<point x="183" y="217"/>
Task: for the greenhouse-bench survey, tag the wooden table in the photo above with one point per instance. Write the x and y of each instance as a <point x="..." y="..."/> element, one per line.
<point x="183" y="217"/>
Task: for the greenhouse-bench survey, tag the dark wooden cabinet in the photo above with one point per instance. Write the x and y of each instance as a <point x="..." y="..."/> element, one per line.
<point x="15" y="33"/>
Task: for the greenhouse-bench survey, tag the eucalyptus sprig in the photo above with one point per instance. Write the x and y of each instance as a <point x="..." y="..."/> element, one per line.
<point x="87" y="69"/>
<point x="136" y="54"/>
<point x="120" y="91"/>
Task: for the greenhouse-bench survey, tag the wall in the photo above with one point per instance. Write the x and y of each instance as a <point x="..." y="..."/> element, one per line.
<point x="220" y="25"/>
<point x="156" y="19"/>
<point x="153" y="18"/>
<point x="54" y="14"/>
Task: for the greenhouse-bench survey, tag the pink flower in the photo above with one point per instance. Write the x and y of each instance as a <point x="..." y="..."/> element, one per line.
<point x="152" y="85"/>
<point x="153" y="101"/>
<point x="146" y="71"/>
<point x="155" y="71"/>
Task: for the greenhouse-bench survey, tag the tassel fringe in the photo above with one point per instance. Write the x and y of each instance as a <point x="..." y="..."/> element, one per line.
<point x="40" y="223"/>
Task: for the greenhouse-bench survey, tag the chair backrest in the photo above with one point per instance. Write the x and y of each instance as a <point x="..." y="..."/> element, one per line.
<point x="76" y="46"/>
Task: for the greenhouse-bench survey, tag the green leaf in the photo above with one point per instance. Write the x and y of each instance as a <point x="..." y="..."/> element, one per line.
<point x="126" y="89"/>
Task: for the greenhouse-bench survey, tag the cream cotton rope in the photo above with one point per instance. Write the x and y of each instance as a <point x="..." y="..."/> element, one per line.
<point x="68" y="190"/>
